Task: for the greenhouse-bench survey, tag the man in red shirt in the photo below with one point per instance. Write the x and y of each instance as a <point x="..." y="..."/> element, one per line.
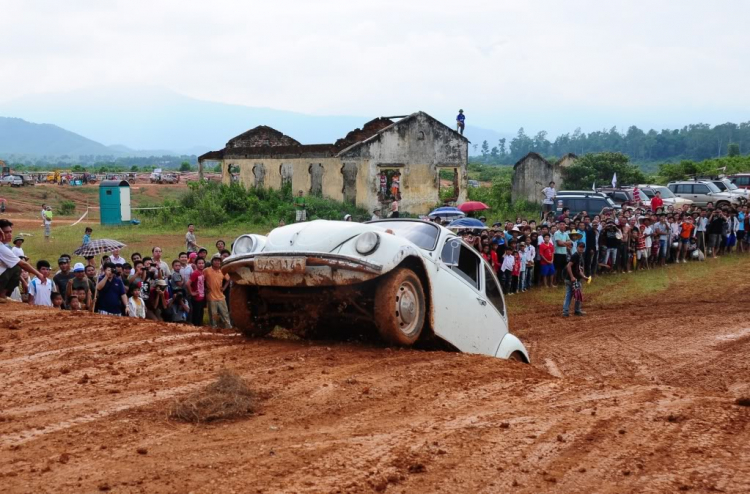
<point x="656" y="201"/>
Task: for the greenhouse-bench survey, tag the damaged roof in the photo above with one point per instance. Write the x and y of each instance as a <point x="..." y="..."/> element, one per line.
<point x="264" y="141"/>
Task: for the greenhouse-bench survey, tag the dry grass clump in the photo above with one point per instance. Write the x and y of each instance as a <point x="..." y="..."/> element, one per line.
<point x="227" y="398"/>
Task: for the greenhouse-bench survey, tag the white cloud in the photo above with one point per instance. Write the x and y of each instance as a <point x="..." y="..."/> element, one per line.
<point x="541" y="64"/>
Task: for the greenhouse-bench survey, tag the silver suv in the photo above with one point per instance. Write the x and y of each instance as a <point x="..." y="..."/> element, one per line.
<point x="726" y="185"/>
<point x="701" y="192"/>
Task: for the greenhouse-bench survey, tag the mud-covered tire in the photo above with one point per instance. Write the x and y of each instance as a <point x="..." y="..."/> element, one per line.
<point x="239" y="310"/>
<point x="400" y="307"/>
<point x="517" y="357"/>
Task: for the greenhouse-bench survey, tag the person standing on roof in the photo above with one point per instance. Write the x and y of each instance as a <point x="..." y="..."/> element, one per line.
<point x="460" y="122"/>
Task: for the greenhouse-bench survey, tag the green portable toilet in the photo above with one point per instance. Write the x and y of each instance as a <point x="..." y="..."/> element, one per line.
<point x="114" y="202"/>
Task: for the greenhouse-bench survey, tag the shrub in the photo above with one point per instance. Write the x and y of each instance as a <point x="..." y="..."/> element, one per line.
<point x="67" y="208"/>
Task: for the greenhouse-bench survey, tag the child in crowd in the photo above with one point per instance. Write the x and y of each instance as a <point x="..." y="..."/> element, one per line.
<point x="57" y="300"/>
<point x="516" y="272"/>
<point x="135" y="303"/>
<point x="87" y="235"/>
<point x="506" y="268"/>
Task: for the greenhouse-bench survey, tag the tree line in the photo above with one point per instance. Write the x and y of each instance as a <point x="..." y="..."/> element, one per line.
<point x="696" y="142"/>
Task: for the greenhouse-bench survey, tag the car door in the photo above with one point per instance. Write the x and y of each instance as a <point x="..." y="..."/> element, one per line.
<point x="463" y="314"/>
<point x="700" y="194"/>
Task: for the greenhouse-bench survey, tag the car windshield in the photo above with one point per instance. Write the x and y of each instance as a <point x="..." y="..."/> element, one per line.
<point x="730" y="185"/>
<point x="423" y="235"/>
<point x="712" y="187"/>
<point x="665" y="192"/>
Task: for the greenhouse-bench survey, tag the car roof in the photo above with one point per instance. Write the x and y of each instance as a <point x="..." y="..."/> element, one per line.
<point x="588" y="193"/>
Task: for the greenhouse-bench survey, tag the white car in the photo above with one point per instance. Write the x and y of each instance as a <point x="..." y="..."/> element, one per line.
<point x="12" y="180"/>
<point x="408" y="279"/>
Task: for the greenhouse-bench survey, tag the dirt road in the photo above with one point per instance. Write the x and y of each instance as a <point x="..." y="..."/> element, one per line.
<point x="635" y="398"/>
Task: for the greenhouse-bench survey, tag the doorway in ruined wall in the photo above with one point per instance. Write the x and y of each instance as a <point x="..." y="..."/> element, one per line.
<point x="349" y="171"/>
<point x="259" y="172"/>
<point x="391" y="184"/>
<point x="286" y="171"/>
<point x="450" y="184"/>
<point x="316" y="179"/>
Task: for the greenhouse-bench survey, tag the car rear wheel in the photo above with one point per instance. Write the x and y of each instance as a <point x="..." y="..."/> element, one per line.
<point x="239" y="310"/>
<point x="400" y="307"/>
<point x="517" y="357"/>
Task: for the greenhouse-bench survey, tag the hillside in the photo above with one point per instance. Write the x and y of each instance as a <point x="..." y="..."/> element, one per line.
<point x="17" y="136"/>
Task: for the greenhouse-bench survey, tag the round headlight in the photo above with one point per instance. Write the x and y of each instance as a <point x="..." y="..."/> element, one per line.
<point x="367" y="243"/>
<point x="243" y="245"/>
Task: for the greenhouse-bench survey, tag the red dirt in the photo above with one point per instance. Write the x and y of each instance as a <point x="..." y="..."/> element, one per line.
<point x="644" y="403"/>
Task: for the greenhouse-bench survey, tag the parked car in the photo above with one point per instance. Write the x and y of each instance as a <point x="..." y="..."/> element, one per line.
<point x="701" y="192"/>
<point x="666" y="195"/>
<point x="408" y="279"/>
<point x="741" y="180"/>
<point x="624" y="196"/>
<point x="726" y="185"/>
<point x="583" y="200"/>
<point x="12" y="180"/>
<point x="474" y="183"/>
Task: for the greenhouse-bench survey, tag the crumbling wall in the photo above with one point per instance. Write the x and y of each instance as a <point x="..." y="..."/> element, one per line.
<point x="259" y="174"/>
<point x="349" y="172"/>
<point x="316" y="179"/>
<point x="286" y="171"/>
<point x="417" y="146"/>
<point x="530" y="176"/>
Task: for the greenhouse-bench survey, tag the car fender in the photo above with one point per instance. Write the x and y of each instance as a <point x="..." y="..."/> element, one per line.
<point x="510" y="344"/>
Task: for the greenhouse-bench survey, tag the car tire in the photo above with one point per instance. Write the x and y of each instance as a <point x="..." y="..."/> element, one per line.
<point x="240" y="313"/>
<point x="517" y="357"/>
<point x="400" y="307"/>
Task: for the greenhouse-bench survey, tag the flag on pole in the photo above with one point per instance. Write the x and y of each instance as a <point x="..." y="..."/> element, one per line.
<point x="614" y="180"/>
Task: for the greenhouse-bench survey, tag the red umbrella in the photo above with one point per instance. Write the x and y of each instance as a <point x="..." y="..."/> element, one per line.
<point x="470" y="206"/>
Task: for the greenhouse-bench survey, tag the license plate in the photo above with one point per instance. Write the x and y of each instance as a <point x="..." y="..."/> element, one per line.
<point x="280" y="264"/>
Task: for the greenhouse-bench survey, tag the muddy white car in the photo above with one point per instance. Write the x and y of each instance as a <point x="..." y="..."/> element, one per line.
<point x="409" y="279"/>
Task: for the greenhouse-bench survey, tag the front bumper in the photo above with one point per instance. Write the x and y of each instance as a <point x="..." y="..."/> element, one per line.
<point x="319" y="269"/>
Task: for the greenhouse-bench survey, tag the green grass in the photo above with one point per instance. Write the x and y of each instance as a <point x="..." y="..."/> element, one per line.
<point x="619" y="290"/>
<point x="140" y="238"/>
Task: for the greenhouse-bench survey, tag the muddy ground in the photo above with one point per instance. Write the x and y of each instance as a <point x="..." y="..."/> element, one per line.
<point x="636" y="397"/>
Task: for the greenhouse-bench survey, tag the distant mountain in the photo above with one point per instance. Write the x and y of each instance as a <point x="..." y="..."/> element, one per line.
<point x="157" y="118"/>
<point x="18" y="136"/>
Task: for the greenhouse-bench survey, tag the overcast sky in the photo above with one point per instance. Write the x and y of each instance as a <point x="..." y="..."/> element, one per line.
<point x="539" y="64"/>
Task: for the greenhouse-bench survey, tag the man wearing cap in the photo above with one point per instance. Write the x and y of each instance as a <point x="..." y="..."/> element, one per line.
<point x="62" y="278"/>
<point x="79" y="282"/>
<point x="375" y="214"/>
<point x="460" y="122"/>
<point x="17" y="243"/>
<point x="573" y="276"/>
<point x="216" y="283"/>
<point x="158" y="301"/>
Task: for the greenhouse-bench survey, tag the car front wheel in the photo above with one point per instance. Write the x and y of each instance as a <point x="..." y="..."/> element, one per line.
<point x="400" y="307"/>
<point x="239" y="310"/>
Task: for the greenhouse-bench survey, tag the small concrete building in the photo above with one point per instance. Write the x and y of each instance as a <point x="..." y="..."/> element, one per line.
<point x="532" y="173"/>
<point x="383" y="161"/>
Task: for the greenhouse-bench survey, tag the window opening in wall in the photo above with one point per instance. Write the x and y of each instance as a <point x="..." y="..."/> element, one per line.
<point x="390" y="185"/>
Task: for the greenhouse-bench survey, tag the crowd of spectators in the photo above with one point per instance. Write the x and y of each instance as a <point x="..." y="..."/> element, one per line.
<point x="146" y="287"/>
<point x="527" y="252"/>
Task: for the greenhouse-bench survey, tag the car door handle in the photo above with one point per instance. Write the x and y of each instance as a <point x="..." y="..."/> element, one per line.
<point x="482" y="301"/>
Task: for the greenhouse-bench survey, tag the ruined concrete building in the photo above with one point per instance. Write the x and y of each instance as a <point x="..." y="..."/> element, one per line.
<point x="532" y="173"/>
<point x="384" y="161"/>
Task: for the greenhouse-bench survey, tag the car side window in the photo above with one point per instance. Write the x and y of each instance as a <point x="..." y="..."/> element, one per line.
<point x="462" y="261"/>
<point x="596" y="205"/>
<point x="621" y="196"/>
<point x="492" y="291"/>
<point x="721" y="186"/>
<point x="742" y="181"/>
<point x="684" y="189"/>
<point x="700" y="189"/>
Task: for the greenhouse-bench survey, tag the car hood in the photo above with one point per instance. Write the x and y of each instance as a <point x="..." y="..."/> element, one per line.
<point x="313" y="236"/>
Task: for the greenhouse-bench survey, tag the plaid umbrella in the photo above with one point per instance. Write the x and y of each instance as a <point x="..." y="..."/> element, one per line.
<point x="98" y="246"/>
<point x="577" y="293"/>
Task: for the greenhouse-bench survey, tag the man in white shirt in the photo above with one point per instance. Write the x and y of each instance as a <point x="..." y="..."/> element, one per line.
<point x="40" y="293"/>
<point x="115" y="257"/>
<point x="163" y="267"/>
<point x="10" y="264"/>
<point x="549" y="197"/>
